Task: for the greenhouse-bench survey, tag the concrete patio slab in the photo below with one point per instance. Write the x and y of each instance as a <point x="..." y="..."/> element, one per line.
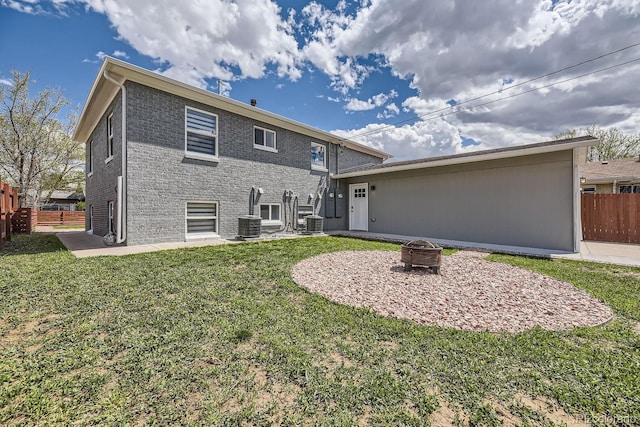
<point x="82" y="244"/>
<point x="602" y="252"/>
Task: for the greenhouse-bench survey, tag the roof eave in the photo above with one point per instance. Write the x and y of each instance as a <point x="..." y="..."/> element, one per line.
<point x="479" y="157"/>
<point x="87" y="121"/>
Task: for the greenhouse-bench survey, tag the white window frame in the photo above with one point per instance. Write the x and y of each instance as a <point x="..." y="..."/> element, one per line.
<point x="110" y="210"/>
<point x="195" y="236"/>
<point x="271" y="221"/>
<point x="322" y="168"/>
<point x="194" y="155"/>
<point x="264" y="146"/>
<point x="633" y="188"/>
<point x="109" y="138"/>
<point x="90" y="230"/>
<point x="90" y="159"/>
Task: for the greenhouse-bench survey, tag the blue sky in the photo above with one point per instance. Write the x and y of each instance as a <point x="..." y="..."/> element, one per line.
<point x="360" y="68"/>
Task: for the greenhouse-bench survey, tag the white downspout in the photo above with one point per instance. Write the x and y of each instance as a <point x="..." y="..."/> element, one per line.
<point x="577" y="218"/>
<point x="122" y="179"/>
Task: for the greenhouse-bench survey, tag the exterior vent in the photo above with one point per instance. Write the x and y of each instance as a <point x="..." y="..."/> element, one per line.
<point x="249" y="226"/>
<point x="313" y="224"/>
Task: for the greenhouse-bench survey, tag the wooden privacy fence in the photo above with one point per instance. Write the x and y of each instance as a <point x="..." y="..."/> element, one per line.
<point x="611" y="217"/>
<point x="24" y="220"/>
<point x="8" y="202"/>
<point x="60" y="217"/>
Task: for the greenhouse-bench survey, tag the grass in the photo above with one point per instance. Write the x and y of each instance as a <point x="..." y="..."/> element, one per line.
<point x="222" y="336"/>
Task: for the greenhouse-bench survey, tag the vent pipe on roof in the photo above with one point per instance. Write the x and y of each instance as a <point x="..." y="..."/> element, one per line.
<point x="253" y="102"/>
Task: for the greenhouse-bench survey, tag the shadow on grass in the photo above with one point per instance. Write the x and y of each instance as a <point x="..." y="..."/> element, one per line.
<point x="29" y="244"/>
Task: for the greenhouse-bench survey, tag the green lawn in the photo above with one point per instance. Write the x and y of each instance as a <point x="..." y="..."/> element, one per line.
<point x="222" y="336"/>
<point x="68" y="227"/>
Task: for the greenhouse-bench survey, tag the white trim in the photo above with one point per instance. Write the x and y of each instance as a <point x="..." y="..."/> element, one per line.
<point x="100" y="97"/>
<point x="322" y="168"/>
<point x="264" y="146"/>
<point x="201" y="156"/>
<point x="110" y="139"/>
<point x="577" y="220"/>
<point x="195" y="155"/>
<point x="90" y="231"/>
<point x="364" y="185"/>
<point x="271" y="221"/>
<point x="110" y="217"/>
<point x="90" y="162"/>
<point x="476" y="157"/>
<point x="206" y="235"/>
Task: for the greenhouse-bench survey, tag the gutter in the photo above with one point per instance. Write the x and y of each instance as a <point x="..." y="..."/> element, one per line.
<point x="122" y="179"/>
<point x="470" y="158"/>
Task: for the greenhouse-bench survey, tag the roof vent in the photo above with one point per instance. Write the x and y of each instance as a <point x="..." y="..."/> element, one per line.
<point x="253" y="102"/>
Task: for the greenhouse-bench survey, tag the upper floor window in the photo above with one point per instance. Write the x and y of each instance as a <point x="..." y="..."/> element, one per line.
<point x="264" y="139"/>
<point x="89" y="165"/>
<point x="109" y="138"/>
<point x="318" y="156"/>
<point x="201" y="134"/>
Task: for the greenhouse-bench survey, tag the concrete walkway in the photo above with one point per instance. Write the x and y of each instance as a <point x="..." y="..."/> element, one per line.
<point x="607" y="253"/>
<point x="83" y="245"/>
<point x="602" y="252"/>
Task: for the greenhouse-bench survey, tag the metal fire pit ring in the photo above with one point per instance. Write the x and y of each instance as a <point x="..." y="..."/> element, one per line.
<point x="421" y="253"/>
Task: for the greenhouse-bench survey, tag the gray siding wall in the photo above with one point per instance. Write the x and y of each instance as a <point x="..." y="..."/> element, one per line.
<point x="524" y="201"/>
<point x="161" y="180"/>
<point x="101" y="185"/>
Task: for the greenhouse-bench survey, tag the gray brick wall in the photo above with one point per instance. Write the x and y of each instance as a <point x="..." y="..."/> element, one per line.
<point x="101" y="185"/>
<point x="161" y="180"/>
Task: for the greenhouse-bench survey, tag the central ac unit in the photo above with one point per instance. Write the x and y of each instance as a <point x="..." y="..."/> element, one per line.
<point x="313" y="224"/>
<point x="249" y="226"/>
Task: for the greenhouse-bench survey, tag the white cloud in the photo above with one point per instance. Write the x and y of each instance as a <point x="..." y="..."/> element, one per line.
<point x="120" y="54"/>
<point x="6" y="82"/>
<point x="452" y="50"/>
<point x="411" y="141"/>
<point x="390" y="111"/>
<point x="374" y="102"/>
<point x="211" y="39"/>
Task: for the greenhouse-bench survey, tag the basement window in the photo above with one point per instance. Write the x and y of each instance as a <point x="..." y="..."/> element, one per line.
<point x="318" y="157"/>
<point x="201" y="134"/>
<point x="270" y="213"/>
<point x="264" y="139"/>
<point x="202" y="219"/>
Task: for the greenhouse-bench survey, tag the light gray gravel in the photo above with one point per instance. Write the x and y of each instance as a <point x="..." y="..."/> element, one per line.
<point x="470" y="294"/>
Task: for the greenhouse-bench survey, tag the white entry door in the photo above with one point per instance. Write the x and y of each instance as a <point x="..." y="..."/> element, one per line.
<point x="359" y="207"/>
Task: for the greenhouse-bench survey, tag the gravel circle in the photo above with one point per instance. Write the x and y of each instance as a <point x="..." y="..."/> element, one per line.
<point x="471" y="293"/>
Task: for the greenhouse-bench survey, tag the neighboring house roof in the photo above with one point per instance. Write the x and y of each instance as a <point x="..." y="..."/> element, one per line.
<point x="103" y="91"/>
<point x="611" y="170"/>
<point x="476" y="156"/>
<point x="71" y="196"/>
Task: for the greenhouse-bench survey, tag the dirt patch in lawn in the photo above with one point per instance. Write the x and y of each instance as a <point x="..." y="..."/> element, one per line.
<point x="470" y="294"/>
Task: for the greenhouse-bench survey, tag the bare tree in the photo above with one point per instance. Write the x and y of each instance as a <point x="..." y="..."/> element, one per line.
<point x="37" y="152"/>
<point x="614" y="144"/>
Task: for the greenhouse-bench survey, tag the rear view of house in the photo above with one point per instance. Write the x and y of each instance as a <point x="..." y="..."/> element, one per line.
<point x="170" y="162"/>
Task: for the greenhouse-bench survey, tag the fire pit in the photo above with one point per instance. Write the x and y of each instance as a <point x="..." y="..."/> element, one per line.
<point x="422" y="254"/>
